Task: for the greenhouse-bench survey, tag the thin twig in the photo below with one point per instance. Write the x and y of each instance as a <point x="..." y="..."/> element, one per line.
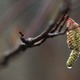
<point x="51" y="35"/>
<point x="67" y="16"/>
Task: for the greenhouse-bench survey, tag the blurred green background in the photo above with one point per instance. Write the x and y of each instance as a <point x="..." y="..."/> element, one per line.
<point x="46" y="62"/>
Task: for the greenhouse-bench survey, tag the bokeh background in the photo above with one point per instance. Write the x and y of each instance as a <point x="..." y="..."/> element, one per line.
<point x="46" y="62"/>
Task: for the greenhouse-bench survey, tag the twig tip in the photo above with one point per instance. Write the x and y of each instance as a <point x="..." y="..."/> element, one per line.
<point x="20" y="32"/>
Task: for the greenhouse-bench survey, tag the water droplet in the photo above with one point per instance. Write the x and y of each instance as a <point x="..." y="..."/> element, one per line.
<point x="69" y="67"/>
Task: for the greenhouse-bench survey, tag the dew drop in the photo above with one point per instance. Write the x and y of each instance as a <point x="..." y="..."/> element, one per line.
<point x="69" y="67"/>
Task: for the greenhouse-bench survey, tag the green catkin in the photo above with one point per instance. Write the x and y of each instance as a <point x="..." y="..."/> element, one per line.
<point x="72" y="58"/>
<point x="77" y="38"/>
<point x="73" y="40"/>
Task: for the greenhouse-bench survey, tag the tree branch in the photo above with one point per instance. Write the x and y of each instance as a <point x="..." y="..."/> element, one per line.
<point x="37" y="41"/>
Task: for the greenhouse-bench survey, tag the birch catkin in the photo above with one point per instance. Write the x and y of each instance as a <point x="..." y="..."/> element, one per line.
<point x="73" y="41"/>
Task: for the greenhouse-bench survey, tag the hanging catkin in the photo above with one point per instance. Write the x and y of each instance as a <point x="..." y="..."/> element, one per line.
<point x="73" y="40"/>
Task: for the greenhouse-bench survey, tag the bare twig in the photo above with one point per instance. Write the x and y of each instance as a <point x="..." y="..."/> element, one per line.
<point x="67" y="16"/>
<point x="51" y="35"/>
<point x="36" y="41"/>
